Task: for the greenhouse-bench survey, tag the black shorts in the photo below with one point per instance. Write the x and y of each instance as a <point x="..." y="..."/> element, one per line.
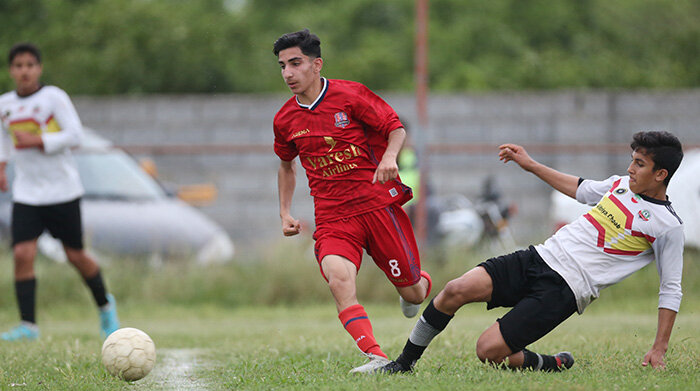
<point x="540" y="298"/>
<point x="61" y="220"/>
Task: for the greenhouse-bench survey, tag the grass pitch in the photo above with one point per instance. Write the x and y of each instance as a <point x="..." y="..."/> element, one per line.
<point x="216" y="348"/>
<point x="215" y="330"/>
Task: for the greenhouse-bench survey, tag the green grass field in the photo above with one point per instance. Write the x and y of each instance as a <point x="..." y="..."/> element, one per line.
<point x="248" y="327"/>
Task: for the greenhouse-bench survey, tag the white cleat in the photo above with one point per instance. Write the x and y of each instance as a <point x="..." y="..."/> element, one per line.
<point x="375" y="362"/>
<point x="409" y="309"/>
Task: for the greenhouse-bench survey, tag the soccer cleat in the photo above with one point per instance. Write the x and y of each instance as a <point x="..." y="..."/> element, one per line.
<point x="394" y="367"/>
<point x="375" y="362"/>
<point x="109" y="322"/>
<point x="565" y="360"/>
<point x="409" y="309"/>
<point x="25" y="331"/>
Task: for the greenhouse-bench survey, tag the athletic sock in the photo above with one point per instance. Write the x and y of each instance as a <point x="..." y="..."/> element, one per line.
<point x="357" y="324"/>
<point x="430" y="324"/>
<point x="541" y="362"/>
<point x="425" y="274"/>
<point x="97" y="287"/>
<point x="26" y="299"/>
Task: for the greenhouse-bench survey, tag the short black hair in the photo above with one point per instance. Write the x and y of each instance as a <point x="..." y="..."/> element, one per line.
<point x="664" y="148"/>
<point x="309" y="43"/>
<point x="24" y="47"/>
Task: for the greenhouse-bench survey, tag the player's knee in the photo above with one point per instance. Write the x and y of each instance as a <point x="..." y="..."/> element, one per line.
<point x="455" y="292"/>
<point x="487" y="352"/>
<point x="23" y="254"/>
<point x="339" y="283"/>
<point x="77" y="257"/>
<point x="413" y="296"/>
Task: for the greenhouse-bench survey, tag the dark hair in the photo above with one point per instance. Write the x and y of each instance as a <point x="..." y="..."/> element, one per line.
<point x="665" y="150"/>
<point x="24" y="47"/>
<point x="309" y="43"/>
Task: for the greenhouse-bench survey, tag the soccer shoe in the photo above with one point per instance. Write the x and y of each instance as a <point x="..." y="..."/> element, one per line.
<point x="394" y="367"/>
<point x="409" y="309"/>
<point x="375" y="362"/>
<point x="565" y="360"/>
<point x="26" y="331"/>
<point x="109" y="322"/>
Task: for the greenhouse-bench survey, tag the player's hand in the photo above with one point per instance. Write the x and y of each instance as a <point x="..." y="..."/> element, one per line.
<point x="386" y="170"/>
<point x="516" y="153"/>
<point x="655" y="357"/>
<point x="290" y="226"/>
<point x="3" y="181"/>
<point x="28" y="140"/>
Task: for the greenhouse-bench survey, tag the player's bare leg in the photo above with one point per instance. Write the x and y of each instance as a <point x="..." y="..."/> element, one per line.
<point x="475" y="285"/>
<point x="341" y="275"/>
<point x="412" y="296"/>
<point x="492" y="348"/>
<point x="25" y="290"/>
<point x="24" y="254"/>
<point x="90" y="271"/>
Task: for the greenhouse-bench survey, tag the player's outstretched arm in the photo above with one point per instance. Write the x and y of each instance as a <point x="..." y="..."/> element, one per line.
<point x="286" y="182"/>
<point x="388" y="169"/>
<point x="560" y="181"/>
<point x="655" y="356"/>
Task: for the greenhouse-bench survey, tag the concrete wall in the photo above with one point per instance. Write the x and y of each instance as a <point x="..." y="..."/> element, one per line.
<point x="246" y="180"/>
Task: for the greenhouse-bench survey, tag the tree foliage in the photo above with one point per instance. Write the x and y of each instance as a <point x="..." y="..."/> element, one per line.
<point x="217" y="46"/>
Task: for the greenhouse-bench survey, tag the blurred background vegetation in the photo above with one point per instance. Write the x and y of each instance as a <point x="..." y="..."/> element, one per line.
<point x="286" y="274"/>
<point x="104" y="47"/>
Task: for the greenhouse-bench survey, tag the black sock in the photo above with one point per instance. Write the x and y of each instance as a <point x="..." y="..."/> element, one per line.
<point x="26" y="299"/>
<point x="97" y="287"/>
<point x="430" y="324"/>
<point x="540" y="362"/>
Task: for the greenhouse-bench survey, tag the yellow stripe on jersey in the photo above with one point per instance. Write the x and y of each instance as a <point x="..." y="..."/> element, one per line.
<point x="52" y="126"/>
<point x="617" y="224"/>
<point x="29" y="125"/>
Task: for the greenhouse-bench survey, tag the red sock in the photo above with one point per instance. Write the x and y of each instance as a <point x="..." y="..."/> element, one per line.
<point x="425" y="274"/>
<point x="357" y="324"/>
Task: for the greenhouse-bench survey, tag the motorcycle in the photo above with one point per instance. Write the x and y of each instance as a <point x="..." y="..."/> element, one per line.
<point x="459" y="222"/>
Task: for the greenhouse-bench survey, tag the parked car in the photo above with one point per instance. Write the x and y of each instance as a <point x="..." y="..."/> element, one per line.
<point x="126" y="212"/>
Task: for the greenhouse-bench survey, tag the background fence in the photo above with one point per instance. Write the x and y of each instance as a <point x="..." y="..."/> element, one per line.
<point x="226" y="140"/>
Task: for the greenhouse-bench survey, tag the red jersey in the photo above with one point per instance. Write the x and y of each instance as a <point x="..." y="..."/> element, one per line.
<point x="340" y="139"/>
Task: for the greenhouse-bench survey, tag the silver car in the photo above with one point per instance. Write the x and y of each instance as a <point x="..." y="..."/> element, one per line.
<point x="127" y="213"/>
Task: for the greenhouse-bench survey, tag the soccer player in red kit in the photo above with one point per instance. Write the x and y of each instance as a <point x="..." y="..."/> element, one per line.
<point x="347" y="139"/>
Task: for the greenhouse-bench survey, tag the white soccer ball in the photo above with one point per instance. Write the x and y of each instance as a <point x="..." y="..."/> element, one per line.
<point x="129" y="354"/>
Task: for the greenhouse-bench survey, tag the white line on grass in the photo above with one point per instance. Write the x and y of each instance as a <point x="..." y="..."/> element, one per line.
<point x="176" y="369"/>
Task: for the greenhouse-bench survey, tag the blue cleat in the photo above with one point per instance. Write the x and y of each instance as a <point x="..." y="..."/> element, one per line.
<point x="109" y="322"/>
<point x="26" y="331"/>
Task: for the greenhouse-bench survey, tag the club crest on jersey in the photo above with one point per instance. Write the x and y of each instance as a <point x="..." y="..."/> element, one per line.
<point x="644" y="214"/>
<point x="620" y="191"/>
<point x="341" y="119"/>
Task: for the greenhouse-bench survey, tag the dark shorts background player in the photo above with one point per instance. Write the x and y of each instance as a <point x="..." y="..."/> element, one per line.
<point x="631" y="225"/>
<point x="347" y="139"/>
<point x="41" y="124"/>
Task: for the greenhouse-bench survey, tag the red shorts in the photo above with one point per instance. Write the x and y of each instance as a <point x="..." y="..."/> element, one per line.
<point x="385" y="233"/>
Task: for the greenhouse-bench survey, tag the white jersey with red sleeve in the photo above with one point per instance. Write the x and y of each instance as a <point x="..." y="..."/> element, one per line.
<point x="621" y="234"/>
<point x="48" y="176"/>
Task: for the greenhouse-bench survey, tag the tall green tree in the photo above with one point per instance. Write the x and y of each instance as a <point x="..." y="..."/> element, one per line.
<point x="219" y="46"/>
